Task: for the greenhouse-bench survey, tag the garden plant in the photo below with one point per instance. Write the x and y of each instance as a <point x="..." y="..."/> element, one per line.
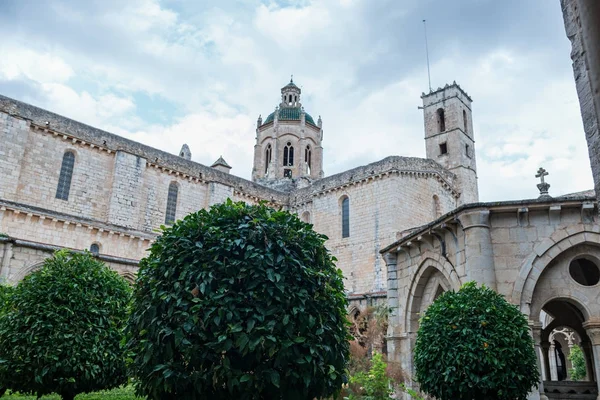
<point x="474" y="345"/>
<point x="63" y="329"/>
<point x="239" y="302"/>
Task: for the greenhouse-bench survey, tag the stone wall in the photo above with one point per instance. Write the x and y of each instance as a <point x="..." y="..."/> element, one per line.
<point x="521" y="249"/>
<point x="584" y="59"/>
<point x="119" y="194"/>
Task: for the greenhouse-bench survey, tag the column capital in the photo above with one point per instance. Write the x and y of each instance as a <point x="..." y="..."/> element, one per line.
<point x="390" y="259"/>
<point x="592" y="328"/>
<point x="536" y="331"/>
<point x="473" y="219"/>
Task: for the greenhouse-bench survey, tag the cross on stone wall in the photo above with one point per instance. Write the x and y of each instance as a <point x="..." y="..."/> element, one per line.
<point x="541" y="174"/>
<point x="543" y="186"/>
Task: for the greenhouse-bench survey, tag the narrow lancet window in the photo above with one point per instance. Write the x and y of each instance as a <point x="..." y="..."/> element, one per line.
<point x="465" y="120"/>
<point x="171" y="204"/>
<point x="346" y="217"/>
<point x="288" y="155"/>
<point x="66" y="174"/>
<point x="268" y="153"/>
<point x="441" y="120"/>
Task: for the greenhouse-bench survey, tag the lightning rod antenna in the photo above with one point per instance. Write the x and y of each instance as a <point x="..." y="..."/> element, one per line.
<point x="427" y="53"/>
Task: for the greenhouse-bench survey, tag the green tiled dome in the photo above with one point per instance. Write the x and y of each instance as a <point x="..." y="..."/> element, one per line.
<point x="290" y="114"/>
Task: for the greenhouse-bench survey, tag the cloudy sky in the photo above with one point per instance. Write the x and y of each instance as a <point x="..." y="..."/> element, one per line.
<point x="168" y="72"/>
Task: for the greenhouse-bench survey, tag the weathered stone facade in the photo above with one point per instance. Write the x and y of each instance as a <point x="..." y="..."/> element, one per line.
<point x="121" y="192"/>
<point x="525" y="250"/>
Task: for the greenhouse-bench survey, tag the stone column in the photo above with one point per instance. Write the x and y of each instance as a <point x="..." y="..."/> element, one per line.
<point x="582" y="26"/>
<point x="545" y="345"/>
<point x="592" y="328"/>
<point x="479" y="254"/>
<point x="552" y="359"/>
<point x="6" y="257"/>
<point x="586" y="347"/>
<point x="536" y="332"/>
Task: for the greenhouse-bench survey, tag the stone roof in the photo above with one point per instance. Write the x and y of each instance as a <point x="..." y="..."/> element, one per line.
<point x="107" y="140"/>
<point x="572" y="199"/>
<point x="221" y="161"/>
<point x="290" y="114"/>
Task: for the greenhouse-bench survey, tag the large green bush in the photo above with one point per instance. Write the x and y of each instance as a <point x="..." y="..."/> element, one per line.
<point x="472" y="345"/>
<point x="239" y="302"/>
<point x="63" y="330"/>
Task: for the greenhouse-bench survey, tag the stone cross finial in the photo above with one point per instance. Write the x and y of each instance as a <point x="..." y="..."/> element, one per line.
<point x="543" y="186"/>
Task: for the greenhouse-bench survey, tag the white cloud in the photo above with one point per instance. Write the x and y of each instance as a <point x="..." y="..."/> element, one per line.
<point x="18" y="63"/>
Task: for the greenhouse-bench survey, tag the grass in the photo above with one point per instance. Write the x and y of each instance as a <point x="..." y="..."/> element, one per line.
<point x="124" y="393"/>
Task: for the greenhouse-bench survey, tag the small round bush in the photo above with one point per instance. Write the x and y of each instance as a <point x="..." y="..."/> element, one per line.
<point x="473" y="344"/>
<point x="239" y="302"/>
<point x="63" y="330"/>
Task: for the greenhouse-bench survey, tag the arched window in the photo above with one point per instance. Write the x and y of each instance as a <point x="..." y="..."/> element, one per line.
<point x="171" y="204"/>
<point x="268" y="153"/>
<point x="441" y="120"/>
<point x="465" y="120"/>
<point x="66" y="174"/>
<point x="305" y="217"/>
<point x="288" y="155"/>
<point x="308" y="157"/>
<point x="95" y="249"/>
<point x="345" y="217"/>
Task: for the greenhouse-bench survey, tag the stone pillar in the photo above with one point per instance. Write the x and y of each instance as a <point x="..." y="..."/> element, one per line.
<point x="545" y="345"/>
<point x="552" y="359"/>
<point x="536" y="332"/>
<point x="582" y="26"/>
<point x="479" y="253"/>
<point x="592" y="328"/>
<point x="6" y="257"/>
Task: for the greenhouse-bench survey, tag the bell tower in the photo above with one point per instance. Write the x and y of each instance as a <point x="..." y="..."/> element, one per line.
<point x="288" y="141"/>
<point x="449" y="137"/>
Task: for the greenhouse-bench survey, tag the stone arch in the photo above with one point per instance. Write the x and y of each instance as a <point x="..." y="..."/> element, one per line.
<point x="432" y="266"/>
<point x="543" y="254"/>
<point x="21" y="274"/>
<point x="129" y="276"/>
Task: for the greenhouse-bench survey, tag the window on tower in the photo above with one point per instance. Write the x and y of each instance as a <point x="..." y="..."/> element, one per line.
<point x="443" y="148"/>
<point x="171" y="203"/>
<point x="441" y="120"/>
<point x="308" y="158"/>
<point x="288" y="155"/>
<point x="465" y="120"/>
<point x="268" y="153"/>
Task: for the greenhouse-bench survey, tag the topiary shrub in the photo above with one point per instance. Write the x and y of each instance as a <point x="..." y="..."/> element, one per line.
<point x="239" y="302"/>
<point x="63" y="330"/>
<point x="473" y="344"/>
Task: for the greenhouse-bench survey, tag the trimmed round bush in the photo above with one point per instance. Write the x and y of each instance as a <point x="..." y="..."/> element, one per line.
<point x="239" y="302"/>
<point x="63" y="330"/>
<point x="473" y="344"/>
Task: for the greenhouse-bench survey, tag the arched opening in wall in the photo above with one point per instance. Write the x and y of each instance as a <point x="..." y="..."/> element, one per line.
<point x="27" y="270"/>
<point x="288" y="155"/>
<point x="426" y="289"/>
<point x="441" y="120"/>
<point x="171" y="211"/>
<point x="66" y="175"/>
<point x="268" y="154"/>
<point x="305" y="217"/>
<point x="129" y="277"/>
<point x="437" y="209"/>
<point x="465" y="121"/>
<point x="584" y="270"/>
<point x="558" y="337"/>
<point x="95" y="248"/>
<point x="440" y="290"/>
<point x="308" y="158"/>
<point x="345" y="208"/>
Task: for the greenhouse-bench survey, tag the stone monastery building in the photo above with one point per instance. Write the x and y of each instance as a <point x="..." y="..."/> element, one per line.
<point x="403" y="229"/>
<point x="66" y="184"/>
